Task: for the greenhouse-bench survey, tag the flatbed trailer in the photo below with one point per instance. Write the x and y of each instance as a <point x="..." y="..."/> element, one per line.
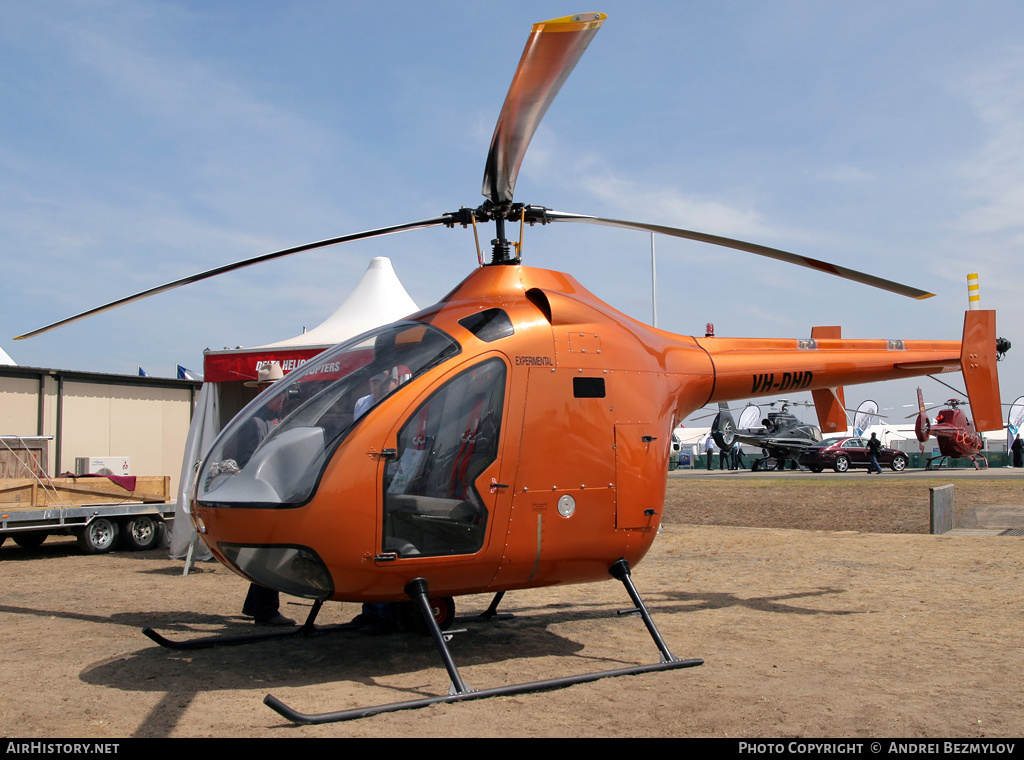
<point x="101" y="513"/>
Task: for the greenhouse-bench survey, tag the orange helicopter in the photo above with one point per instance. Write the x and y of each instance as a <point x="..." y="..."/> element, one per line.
<point x="514" y="435"/>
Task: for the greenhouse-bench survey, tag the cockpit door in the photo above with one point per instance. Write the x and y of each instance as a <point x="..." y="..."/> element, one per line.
<point x="438" y="464"/>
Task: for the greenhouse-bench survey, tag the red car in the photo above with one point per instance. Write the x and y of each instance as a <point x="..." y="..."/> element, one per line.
<point x="843" y="453"/>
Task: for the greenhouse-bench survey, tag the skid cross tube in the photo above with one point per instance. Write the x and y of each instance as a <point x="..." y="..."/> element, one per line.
<point x="417" y="590"/>
<point x="491" y="613"/>
<point x="620" y="572"/>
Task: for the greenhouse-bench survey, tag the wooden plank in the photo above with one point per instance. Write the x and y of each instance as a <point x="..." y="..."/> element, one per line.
<point x="17" y="492"/>
<point x="27" y="494"/>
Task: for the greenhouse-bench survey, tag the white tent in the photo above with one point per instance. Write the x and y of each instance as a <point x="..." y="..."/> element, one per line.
<point x="5" y="359"/>
<point x="378" y="299"/>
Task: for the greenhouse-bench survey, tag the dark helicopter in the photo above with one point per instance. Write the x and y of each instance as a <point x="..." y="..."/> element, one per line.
<point x="780" y="434"/>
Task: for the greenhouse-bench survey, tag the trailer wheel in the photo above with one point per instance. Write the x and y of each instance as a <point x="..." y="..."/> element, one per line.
<point x="31" y="540"/>
<point x="99" y="536"/>
<point x="140" y="533"/>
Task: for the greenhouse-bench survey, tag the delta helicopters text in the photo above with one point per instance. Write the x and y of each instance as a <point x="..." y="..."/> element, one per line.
<point x="517" y="433"/>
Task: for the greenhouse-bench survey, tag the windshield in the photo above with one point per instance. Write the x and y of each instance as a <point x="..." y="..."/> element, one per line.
<point x="272" y="453"/>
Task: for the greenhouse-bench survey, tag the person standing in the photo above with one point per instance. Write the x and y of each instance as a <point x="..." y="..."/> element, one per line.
<point x="737" y="456"/>
<point x="874" y="446"/>
<point x="709" y="450"/>
<point x="1018" y="451"/>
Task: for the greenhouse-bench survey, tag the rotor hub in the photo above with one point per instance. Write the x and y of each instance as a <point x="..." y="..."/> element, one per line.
<point x="499" y="213"/>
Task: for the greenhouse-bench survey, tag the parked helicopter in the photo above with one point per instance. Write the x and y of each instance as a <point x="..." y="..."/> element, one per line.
<point x="955" y="433"/>
<point x="780" y="433"/>
<point x="515" y="435"/>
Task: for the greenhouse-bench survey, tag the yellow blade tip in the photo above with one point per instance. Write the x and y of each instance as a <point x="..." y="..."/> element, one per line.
<point x="576" y="22"/>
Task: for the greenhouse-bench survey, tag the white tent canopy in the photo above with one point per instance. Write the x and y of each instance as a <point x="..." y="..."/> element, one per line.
<point x="6" y="359"/>
<point x="378" y="299"/>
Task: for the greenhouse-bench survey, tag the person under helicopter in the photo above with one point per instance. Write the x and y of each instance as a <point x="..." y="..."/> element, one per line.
<point x="736" y="456"/>
<point x="378" y="618"/>
<point x="262" y="604"/>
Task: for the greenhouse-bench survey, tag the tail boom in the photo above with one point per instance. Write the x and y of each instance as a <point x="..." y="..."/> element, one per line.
<point x="750" y="368"/>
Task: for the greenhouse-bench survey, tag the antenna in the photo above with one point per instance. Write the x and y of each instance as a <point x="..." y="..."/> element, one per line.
<point x="654" y="285"/>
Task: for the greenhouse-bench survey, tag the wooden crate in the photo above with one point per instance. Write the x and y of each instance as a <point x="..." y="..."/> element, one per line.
<point x="22" y="459"/>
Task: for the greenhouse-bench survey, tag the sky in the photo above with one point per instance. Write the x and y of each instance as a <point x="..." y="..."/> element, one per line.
<point x="145" y="141"/>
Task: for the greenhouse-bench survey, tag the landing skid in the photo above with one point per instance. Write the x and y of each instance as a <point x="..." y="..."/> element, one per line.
<point x="306" y="629"/>
<point x="460" y="692"/>
<point x="942" y="461"/>
<point x="765" y="464"/>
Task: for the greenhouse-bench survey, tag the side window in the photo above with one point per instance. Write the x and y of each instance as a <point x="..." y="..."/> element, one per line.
<point x="431" y="505"/>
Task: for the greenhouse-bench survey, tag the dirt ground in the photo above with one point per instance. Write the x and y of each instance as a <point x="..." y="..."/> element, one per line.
<point x="820" y="608"/>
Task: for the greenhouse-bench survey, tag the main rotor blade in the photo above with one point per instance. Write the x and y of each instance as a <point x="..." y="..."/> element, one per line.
<point x="438" y="220"/>
<point x="760" y="250"/>
<point x="551" y="53"/>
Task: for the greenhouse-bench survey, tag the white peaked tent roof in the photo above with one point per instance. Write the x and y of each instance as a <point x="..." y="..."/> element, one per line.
<point x="378" y="299"/>
<point x="5" y="359"/>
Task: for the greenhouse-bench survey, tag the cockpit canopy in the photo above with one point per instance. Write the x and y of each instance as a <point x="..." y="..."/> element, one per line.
<point x="273" y="452"/>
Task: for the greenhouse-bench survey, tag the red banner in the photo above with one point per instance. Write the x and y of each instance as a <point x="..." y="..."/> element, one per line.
<point x="241" y="366"/>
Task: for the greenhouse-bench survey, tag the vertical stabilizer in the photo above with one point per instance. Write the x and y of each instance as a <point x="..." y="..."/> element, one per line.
<point x="978" y="364"/>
